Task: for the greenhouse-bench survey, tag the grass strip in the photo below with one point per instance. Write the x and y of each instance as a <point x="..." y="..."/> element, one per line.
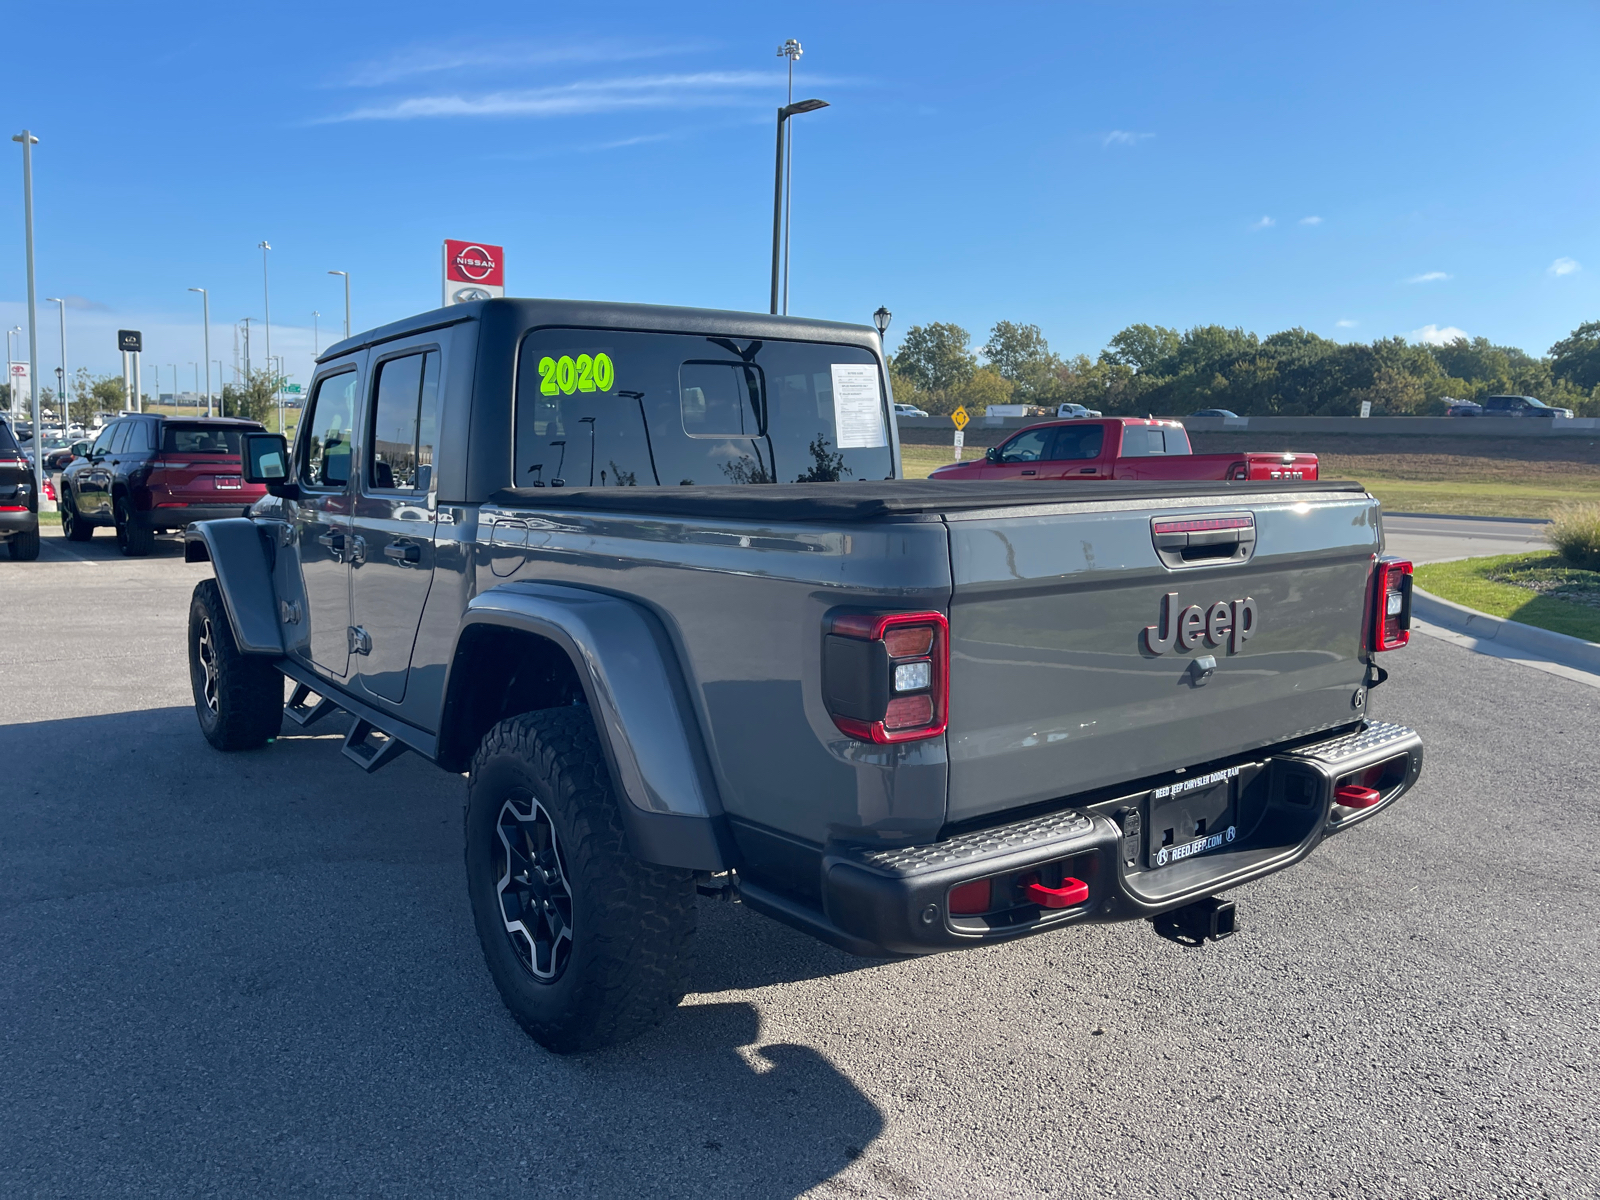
<point x="1470" y="581"/>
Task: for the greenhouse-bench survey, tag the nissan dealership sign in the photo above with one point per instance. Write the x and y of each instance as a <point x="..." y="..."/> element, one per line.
<point x="473" y="271"/>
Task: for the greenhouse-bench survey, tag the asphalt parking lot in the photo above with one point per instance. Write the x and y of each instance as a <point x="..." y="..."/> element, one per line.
<point x="257" y="974"/>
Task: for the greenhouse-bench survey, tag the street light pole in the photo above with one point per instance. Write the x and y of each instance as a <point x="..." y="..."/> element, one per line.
<point x="346" y="275"/>
<point x="28" y="143"/>
<point x="784" y="113"/>
<point x="316" y="340"/>
<point x="266" y="301"/>
<point x="218" y="361"/>
<point x="66" y="405"/>
<point x="205" y="308"/>
<point x="174" y="367"/>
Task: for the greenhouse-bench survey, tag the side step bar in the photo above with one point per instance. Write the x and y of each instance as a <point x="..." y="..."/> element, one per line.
<point x="371" y="756"/>
<point x="303" y="714"/>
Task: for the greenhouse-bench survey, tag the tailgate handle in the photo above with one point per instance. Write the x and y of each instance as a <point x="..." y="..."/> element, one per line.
<point x="1354" y="796"/>
<point x="1071" y="892"/>
<point x="1194" y="541"/>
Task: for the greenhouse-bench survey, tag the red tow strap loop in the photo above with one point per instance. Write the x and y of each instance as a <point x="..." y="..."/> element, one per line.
<point x="1071" y="892"/>
<point x="1354" y="796"/>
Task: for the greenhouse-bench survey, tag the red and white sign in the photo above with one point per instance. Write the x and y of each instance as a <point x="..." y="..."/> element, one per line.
<point x="473" y="271"/>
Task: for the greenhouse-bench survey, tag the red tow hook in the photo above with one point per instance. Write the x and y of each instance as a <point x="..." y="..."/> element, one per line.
<point x="1353" y="795"/>
<point x="1071" y="892"/>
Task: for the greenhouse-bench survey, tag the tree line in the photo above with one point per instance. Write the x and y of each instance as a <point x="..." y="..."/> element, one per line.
<point x="89" y="394"/>
<point x="1154" y="369"/>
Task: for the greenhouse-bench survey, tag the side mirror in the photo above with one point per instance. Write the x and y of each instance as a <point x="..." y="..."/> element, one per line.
<point x="992" y="454"/>
<point x="266" y="460"/>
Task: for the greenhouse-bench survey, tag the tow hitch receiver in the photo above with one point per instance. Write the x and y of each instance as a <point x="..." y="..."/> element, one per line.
<point x="1353" y="795"/>
<point x="1193" y="924"/>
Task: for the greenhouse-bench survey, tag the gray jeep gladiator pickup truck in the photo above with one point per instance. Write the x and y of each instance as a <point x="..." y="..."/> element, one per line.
<point x="650" y="578"/>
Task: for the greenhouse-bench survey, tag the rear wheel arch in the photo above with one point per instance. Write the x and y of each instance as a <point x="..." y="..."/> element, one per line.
<point x="499" y="671"/>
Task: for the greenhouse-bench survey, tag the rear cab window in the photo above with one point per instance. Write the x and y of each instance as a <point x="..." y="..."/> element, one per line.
<point x="1152" y="441"/>
<point x="195" y="439"/>
<point x="619" y="409"/>
<point x="8" y="444"/>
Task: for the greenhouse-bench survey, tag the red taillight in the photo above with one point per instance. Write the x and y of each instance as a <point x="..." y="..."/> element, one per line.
<point x="1391" y="609"/>
<point x="885" y="676"/>
<point x="968" y="899"/>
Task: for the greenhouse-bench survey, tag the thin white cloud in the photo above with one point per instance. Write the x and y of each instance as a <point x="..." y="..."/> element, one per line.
<point x="1435" y="335"/>
<point x="1311" y="220"/>
<point x="1264" y="223"/>
<point x="442" y="59"/>
<point x="700" y="89"/>
<point x="1565" y="266"/>
<point x="1125" y="137"/>
<point x="1429" y="277"/>
<point x="1345" y="323"/>
<point x="84" y="304"/>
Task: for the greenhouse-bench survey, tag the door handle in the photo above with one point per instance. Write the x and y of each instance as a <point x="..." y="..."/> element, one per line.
<point x="1086" y="470"/>
<point x="403" y="552"/>
<point x="333" y="541"/>
<point x="1030" y="472"/>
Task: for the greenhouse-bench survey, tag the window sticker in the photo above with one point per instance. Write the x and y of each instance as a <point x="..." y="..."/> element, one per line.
<point x="857" y="407"/>
<point x="565" y="375"/>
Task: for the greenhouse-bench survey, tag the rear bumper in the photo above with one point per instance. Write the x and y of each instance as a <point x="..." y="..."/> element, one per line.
<point x="178" y="516"/>
<point x="17" y="521"/>
<point x="897" y="902"/>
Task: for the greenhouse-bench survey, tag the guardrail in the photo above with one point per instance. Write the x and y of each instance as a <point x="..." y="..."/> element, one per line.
<point x="1493" y="427"/>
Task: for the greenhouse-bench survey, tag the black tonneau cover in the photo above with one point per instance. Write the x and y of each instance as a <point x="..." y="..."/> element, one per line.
<point x="869" y="499"/>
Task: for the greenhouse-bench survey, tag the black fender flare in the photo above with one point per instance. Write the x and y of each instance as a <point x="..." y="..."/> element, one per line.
<point x="239" y="556"/>
<point x="642" y="712"/>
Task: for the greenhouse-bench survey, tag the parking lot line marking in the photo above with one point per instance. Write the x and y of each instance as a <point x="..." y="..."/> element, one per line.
<point x="55" y="547"/>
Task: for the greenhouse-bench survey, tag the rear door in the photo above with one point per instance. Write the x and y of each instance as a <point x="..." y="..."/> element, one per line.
<point x="324" y="457"/>
<point x="1057" y="689"/>
<point x="1076" y="451"/>
<point x="391" y="566"/>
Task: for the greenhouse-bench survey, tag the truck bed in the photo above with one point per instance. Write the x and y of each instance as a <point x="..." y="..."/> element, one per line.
<point x="867" y="499"/>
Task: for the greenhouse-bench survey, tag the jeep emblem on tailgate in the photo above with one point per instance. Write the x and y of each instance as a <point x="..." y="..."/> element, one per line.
<point x="1233" y="622"/>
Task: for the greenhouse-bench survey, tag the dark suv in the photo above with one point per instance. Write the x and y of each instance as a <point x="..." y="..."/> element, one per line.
<point x="144" y="474"/>
<point x="19" y="499"/>
<point x="1520" y="406"/>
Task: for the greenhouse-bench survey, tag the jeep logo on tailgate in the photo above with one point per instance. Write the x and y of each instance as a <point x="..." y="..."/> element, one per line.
<point x="1231" y="621"/>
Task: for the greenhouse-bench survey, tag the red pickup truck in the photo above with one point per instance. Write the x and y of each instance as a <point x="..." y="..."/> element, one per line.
<point x="1120" y="448"/>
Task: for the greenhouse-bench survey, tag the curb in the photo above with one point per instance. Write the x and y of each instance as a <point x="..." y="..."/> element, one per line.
<point x="1466" y="517"/>
<point x="1558" y="647"/>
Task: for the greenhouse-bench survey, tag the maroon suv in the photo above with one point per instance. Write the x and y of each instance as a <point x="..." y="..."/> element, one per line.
<point x="145" y="474"/>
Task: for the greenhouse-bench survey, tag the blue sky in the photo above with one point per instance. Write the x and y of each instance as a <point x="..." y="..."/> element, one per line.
<point x="1358" y="169"/>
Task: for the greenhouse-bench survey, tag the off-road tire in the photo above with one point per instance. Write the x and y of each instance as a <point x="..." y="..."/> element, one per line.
<point x="133" y="539"/>
<point x="243" y="705"/>
<point x="73" y="524"/>
<point x="632" y="924"/>
<point x="25" y="546"/>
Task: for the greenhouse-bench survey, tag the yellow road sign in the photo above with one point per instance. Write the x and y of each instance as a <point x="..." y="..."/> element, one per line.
<point x="960" y="418"/>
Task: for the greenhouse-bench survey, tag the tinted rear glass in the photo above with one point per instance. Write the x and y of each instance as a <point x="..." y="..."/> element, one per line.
<point x="194" y="438"/>
<point x="8" y="444"/>
<point x="624" y="409"/>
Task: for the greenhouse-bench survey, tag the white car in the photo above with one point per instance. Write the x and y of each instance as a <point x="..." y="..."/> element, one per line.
<point x="1077" y="410"/>
<point x="908" y="410"/>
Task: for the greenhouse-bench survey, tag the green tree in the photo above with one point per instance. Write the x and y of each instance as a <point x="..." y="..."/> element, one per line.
<point x="254" y="400"/>
<point x="1575" y="359"/>
<point x="986" y="386"/>
<point x="107" y="394"/>
<point x="1022" y="357"/>
<point x="935" y="356"/>
<point x="1143" y="347"/>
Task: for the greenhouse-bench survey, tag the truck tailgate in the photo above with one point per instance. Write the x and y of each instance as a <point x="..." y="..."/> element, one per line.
<point x="1054" y="688"/>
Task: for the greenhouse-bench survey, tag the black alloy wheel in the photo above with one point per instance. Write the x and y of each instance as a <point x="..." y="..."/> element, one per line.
<point x="73" y="524"/>
<point x="535" y="898"/>
<point x="133" y="539"/>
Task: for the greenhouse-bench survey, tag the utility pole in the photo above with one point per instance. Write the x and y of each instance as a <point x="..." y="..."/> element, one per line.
<point x="66" y="404"/>
<point x="28" y="143"/>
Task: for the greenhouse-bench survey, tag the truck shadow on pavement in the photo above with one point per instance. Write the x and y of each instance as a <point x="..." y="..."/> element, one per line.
<point x="257" y="973"/>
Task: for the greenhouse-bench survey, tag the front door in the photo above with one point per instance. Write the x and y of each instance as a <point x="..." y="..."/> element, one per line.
<point x="322" y="521"/>
<point x="91" y="483"/>
<point x="392" y="533"/>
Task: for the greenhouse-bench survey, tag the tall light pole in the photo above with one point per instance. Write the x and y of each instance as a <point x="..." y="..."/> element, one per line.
<point x="315" y="337"/>
<point x="346" y="275"/>
<point x="66" y="405"/>
<point x="218" y="361"/>
<point x="205" y="309"/>
<point x="11" y="382"/>
<point x="266" y="301"/>
<point x="779" y="243"/>
<point x="196" y="367"/>
<point x="174" y="367"/>
<point x="28" y="143"/>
